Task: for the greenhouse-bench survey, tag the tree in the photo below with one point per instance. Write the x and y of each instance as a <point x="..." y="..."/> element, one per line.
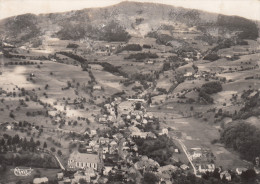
<point x="248" y="175"/>
<point x="59" y="152"/>
<point x="150" y="178"/>
<point x="32" y="144"/>
<point x="82" y="181"/>
<point x="149" y="101"/>
<point x="38" y="143"/>
<point x="53" y="149"/>
<point x="2" y="142"/>
<point x="44" y="145"/>
<point x="11" y="115"/>
<point x="138" y="106"/>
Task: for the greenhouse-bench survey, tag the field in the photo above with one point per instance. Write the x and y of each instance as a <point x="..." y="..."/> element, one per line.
<point x="199" y="134"/>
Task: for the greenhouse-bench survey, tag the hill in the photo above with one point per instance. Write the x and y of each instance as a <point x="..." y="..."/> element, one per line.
<point x="118" y="22"/>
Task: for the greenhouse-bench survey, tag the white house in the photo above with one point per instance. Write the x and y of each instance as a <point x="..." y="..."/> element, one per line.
<point x="184" y="167"/>
<point x="40" y="180"/>
<point x="9" y="127"/>
<point x="164" y="131"/>
<point x="97" y="87"/>
<point x="206" y="168"/>
<point x="196" y="154"/>
<point x="226" y="174"/>
<point x="106" y="170"/>
<point x="93" y="132"/>
<point x="240" y="170"/>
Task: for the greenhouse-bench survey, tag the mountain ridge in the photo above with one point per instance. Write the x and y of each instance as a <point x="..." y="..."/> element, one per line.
<point x="133" y="17"/>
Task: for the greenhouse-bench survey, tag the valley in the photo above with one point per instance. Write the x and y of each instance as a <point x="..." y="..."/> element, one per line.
<point x="134" y="94"/>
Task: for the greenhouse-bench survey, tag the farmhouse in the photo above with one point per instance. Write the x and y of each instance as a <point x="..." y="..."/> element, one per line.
<point x="84" y="160"/>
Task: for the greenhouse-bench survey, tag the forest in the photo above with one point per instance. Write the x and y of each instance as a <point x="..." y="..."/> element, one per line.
<point x="242" y="137"/>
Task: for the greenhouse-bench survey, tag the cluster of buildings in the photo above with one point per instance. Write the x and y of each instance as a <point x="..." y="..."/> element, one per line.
<point x="116" y="155"/>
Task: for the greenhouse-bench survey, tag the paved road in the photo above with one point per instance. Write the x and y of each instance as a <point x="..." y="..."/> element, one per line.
<point x="61" y="166"/>
<point x="187" y="154"/>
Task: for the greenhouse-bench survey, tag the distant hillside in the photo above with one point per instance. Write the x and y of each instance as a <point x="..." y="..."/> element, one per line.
<point x="118" y="22"/>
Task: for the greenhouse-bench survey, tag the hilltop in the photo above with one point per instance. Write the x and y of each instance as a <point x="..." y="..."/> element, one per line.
<point x="136" y="19"/>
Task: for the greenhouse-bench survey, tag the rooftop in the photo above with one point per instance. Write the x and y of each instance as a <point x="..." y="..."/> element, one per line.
<point x="84" y="157"/>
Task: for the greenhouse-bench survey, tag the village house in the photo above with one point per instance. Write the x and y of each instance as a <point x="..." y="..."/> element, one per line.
<point x="89" y="149"/>
<point x="97" y="87"/>
<point x="102" y="120"/>
<point x="117" y="137"/>
<point x="105" y="149"/>
<point x="240" y="170"/>
<point x="206" y="168"/>
<point x="164" y="131"/>
<point x="9" y="127"/>
<point x="96" y="148"/>
<point x="188" y="74"/>
<point x="106" y="170"/>
<point x="103" y="140"/>
<point x="146" y="163"/>
<point x="184" y="167"/>
<point x="139" y="134"/>
<point x="80" y="175"/>
<point x="40" y="180"/>
<point x="93" y="132"/>
<point x="196" y="154"/>
<point x="85" y="160"/>
<point x="226" y="174"/>
<point x="257" y="170"/>
<point x="150" y="62"/>
<point x="92" y="143"/>
<point x="60" y="176"/>
<point x="167" y="169"/>
<point x="113" y="147"/>
<point x="90" y="172"/>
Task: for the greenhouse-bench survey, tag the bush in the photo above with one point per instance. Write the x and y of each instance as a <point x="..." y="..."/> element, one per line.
<point x="113" y="32"/>
<point x="147" y="46"/>
<point x="207" y="98"/>
<point x="141" y="56"/>
<point x="72" y="45"/>
<point x="150" y="178"/>
<point x="211" y="57"/>
<point x="211" y="87"/>
<point x="53" y="149"/>
<point x="131" y="47"/>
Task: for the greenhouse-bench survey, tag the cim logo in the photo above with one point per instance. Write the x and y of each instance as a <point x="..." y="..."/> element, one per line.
<point x="22" y="172"/>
